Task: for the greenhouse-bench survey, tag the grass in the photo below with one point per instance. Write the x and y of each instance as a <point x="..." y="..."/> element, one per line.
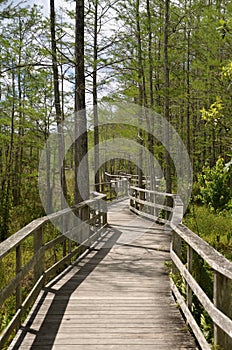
<point x="215" y="228"/>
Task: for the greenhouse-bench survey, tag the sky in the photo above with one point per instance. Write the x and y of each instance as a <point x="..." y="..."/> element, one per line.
<point x="46" y="6"/>
<point x="44" y="3"/>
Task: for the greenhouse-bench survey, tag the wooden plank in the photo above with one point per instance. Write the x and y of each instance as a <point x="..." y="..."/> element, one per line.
<point x="151" y="204"/>
<point x="15" y="282"/>
<point x="164" y="194"/>
<point x="14" y="240"/>
<point x="105" y="347"/>
<point x="191" y="321"/>
<point x="118" y="297"/>
<point x="217" y="316"/>
<point x="15" y="322"/>
<point x="216" y="260"/>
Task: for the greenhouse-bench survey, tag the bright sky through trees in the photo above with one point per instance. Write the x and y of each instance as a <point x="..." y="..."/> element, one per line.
<point x="44" y="3"/>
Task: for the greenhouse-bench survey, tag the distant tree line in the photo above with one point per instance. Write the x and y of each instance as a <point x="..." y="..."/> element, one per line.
<point x="171" y="56"/>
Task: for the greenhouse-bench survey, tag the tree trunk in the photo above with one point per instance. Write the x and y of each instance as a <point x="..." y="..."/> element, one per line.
<point x="188" y="90"/>
<point x="140" y="101"/>
<point x="59" y="116"/>
<point x="81" y="143"/>
<point x="95" y="101"/>
<point x="167" y="99"/>
<point x="151" y="117"/>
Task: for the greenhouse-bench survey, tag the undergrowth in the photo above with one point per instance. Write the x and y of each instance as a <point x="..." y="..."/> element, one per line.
<point x="214" y="227"/>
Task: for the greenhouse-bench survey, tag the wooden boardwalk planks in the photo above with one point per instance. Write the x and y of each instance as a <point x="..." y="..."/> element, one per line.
<point x="118" y="297"/>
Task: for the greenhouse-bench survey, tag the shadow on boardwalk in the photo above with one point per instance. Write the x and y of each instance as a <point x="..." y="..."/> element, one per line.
<point x="116" y="298"/>
<point x="61" y="299"/>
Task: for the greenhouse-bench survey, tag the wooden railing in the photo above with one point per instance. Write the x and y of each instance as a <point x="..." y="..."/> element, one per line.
<point x="152" y="204"/>
<point x="132" y="179"/>
<point x="35" y="254"/>
<point x="195" y="265"/>
<point x="114" y="189"/>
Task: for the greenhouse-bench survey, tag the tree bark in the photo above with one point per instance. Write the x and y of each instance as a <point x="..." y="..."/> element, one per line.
<point x="151" y="117"/>
<point x="59" y="116"/>
<point x="95" y="100"/>
<point x="81" y="190"/>
<point x="140" y="99"/>
<point x="167" y="99"/>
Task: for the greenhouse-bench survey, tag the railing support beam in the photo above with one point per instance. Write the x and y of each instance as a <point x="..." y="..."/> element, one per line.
<point x="39" y="253"/>
<point x="223" y="301"/>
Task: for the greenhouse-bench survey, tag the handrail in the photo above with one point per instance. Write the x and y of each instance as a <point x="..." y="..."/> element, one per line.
<point x="151" y="204"/>
<point x="40" y="238"/>
<point x="116" y="188"/>
<point x="147" y="203"/>
<point x="164" y="208"/>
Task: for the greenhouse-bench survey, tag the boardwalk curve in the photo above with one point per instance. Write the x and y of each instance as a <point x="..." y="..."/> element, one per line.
<point x="116" y="297"/>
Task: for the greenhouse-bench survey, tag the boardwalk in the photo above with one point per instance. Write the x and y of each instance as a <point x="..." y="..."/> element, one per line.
<point x="117" y="298"/>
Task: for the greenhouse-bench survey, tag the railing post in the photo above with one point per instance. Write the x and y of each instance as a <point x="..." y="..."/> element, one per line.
<point x="176" y="247"/>
<point x="18" y="269"/>
<point x="152" y="200"/>
<point x="179" y="211"/>
<point x="223" y="301"/>
<point x="136" y="196"/>
<point x="131" y="199"/>
<point x="124" y="186"/>
<point x="64" y="225"/>
<point x="85" y="215"/>
<point x="104" y="212"/>
<point x="39" y="253"/>
<point x="142" y="197"/>
<point x="111" y="196"/>
<point x="189" y="267"/>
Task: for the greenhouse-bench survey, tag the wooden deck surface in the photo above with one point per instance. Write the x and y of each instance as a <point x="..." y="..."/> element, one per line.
<point x="117" y="298"/>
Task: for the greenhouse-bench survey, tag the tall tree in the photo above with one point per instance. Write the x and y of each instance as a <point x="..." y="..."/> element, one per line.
<point x="141" y="92"/>
<point x="81" y="142"/>
<point x="167" y="97"/>
<point x="59" y="114"/>
<point x="95" y="99"/>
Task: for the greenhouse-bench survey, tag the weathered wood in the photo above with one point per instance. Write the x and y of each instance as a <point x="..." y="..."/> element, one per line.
<point x="116" y="297"/>
<point x="15" y="282"/>
<point x="189" y="267"/>
<point x="216" y="260"/>
<point x="121" y="299"/>
<point x="18" y="269"/>
<point x="178" y="212"/>
<point x="16" y="239"/>
<point x="38" y="253"/>
<point x="152" y="204"/>
<point x="58" y="240"/>
<point x="37" y="262"/>
<point x="220" y="319"/>
<point x="140" y="198"/>
<point x="223" y="302"/>
<point x="16" y="320"/>
<point x="149" y="191"/>
<point x="221" y="311"/>
<point x="189" y="318"/>
<point x="176" y="246"/>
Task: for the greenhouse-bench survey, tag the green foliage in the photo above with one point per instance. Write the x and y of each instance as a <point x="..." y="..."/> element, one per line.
<point x="227" y="70"/>
<point x="5" y="207"/>
<point x="207" y="326"/>
<point x="215" y="190"/>
<point x="8" y="267"/>
<point x="214" y="228"/>
<point x="225" y="27"/>
<point x="214" y="112"/>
